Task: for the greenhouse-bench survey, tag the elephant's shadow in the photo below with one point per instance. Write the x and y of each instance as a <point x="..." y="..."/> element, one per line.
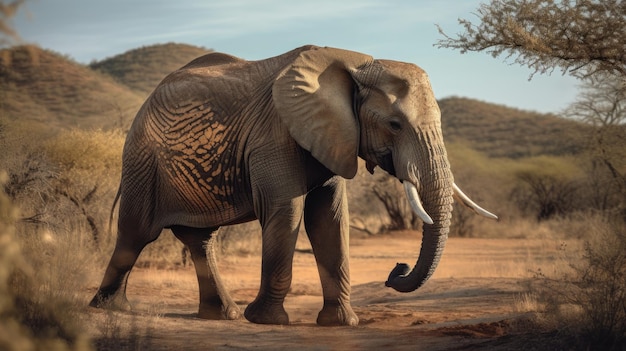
<point x="181" y="315"/>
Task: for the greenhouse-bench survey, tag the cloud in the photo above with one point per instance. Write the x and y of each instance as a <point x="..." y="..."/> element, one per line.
<point x="242" y="17"/>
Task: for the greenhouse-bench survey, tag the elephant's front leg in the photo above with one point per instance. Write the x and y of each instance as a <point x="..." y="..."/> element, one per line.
<point x="280" y="223"/>
<point x="327" y="225"/>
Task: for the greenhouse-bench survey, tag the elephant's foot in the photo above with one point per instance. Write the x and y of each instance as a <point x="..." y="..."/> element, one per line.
<point x="115" y="302"/>
<point x="217" y="312"/>
<point x="232" y="312"/>
<point x="261" y="312"/>
<point x="337" y="314"/>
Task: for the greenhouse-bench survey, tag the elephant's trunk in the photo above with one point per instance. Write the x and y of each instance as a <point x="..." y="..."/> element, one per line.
<point x="436" y="190"/>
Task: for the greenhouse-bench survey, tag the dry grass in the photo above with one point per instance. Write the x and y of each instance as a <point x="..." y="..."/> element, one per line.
<point x="38" y="310"/>
<point x="527" y="302"/>
<point x="53" y="299"/>
<point x="123" y="332"/>
<point x="586" y="300"/>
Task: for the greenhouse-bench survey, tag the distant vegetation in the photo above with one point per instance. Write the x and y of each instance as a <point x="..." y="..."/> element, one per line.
<point x="500" y="131"/>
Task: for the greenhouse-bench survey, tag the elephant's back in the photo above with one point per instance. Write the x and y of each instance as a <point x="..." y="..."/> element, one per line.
<point x="212" y="59"/>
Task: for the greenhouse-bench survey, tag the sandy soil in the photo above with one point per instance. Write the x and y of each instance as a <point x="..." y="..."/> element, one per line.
<point x="470" y="303"/>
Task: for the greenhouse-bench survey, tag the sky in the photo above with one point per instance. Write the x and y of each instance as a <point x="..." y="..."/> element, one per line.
<point x="403" y="30"/>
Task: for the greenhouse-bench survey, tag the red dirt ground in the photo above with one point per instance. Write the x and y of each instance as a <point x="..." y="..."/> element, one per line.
<point x="472" y="301"/>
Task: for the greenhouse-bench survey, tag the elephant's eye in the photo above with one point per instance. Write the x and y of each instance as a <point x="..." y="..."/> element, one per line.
<point x="395" y="125"/>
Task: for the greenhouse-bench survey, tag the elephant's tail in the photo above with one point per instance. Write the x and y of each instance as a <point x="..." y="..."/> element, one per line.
<point x="117" y="198"/>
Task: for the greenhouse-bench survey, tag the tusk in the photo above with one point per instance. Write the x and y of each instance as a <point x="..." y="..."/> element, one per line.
<point x="416" y="203"/>
<point x="459" y="195"/>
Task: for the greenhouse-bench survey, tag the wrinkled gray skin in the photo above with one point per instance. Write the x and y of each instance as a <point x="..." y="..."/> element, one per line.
<point x="224" y="141"/>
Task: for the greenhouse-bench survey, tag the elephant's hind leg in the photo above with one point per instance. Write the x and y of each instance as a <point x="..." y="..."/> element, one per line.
<point x="112" y="291"/>
<point x="215" y="301"/>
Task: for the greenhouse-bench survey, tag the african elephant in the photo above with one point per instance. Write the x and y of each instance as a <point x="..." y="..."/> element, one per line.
<point x="223" y="141"/>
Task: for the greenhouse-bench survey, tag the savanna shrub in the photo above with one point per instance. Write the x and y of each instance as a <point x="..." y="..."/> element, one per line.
<point x="588" y="304"/>
<point x="65" y="180"/>
<point x="89" y="167"/>
<point x="30" y="319"/>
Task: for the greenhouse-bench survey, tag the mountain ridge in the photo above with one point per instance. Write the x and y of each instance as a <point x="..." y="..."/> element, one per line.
<point x="143" y="68"/>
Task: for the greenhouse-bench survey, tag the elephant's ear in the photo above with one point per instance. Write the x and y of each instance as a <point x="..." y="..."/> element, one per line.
<point x="314" y="99"/>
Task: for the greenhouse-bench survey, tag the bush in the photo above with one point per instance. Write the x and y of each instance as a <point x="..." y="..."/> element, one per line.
<point x="588" y="304"/>
<point x="89" y="167"/>
<point x="547" y="187"/>
<point x="32" y="316"/>
<point x="64" y="181"/>
<point x="390" y="193"/>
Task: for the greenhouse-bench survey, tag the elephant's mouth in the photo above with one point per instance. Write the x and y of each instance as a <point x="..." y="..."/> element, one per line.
<point x="384" y="161"/>
<point x="387" y="164"/>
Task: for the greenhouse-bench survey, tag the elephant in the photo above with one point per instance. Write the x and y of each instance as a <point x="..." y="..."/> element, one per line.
<point x="223" y="141"/>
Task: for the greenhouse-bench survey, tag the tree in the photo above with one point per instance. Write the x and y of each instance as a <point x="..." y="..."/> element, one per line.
<point x="602" y="104"/>
<point x="543" y="195"/>
<point x="546" y="34"/>
<point x="390" y="193"/>
<point x="8" y="35"/>
<point x="584" y="38"/>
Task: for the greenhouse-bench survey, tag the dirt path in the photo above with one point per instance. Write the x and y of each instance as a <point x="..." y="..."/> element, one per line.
<point x="472" y="299"/>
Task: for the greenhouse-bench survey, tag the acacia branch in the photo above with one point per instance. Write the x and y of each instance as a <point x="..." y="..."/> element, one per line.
<point x="8" y="11"/>
<point x="548" y="34"/>
<point x="91" y="221"/>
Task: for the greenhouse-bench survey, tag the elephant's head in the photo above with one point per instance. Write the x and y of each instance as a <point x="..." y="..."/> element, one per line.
<point x="340" y="105"/>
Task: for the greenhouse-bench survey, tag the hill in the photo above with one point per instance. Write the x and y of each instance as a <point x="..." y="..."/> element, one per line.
<point x="44" y="86"/>
<point x="501" y="131"/>
<point x="143" y="68"/>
